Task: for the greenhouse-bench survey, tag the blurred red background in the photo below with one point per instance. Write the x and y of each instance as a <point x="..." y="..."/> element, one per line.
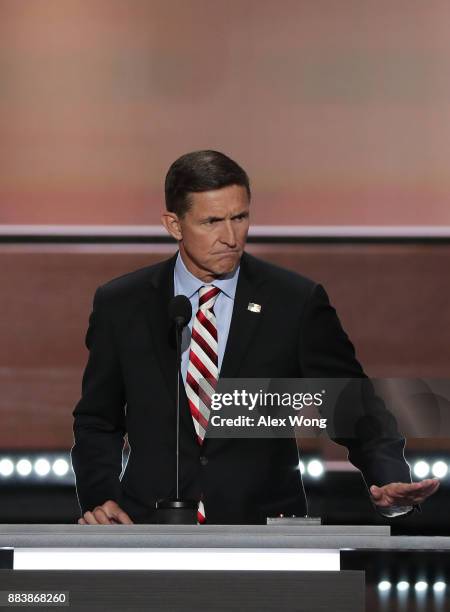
<point x="339" y="111"/>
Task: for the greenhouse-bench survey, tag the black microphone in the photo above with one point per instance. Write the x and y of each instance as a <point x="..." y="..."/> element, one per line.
<point x="180" y="310"/>
<point x="178" y="511"/>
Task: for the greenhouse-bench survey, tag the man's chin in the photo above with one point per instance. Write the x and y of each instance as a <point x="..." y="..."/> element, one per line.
<point x="227" y="267"/>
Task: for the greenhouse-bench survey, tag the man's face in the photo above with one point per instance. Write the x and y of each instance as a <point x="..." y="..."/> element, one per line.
<point x="213" y="233"/>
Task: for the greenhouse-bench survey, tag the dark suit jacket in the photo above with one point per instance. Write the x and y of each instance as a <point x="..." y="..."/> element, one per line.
<point x="129" y="388"/>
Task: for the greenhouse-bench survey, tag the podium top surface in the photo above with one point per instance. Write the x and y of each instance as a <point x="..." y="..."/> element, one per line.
<point x="214" y="536"/>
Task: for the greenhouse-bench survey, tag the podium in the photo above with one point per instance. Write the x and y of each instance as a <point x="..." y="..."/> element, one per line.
<point x="187" y="567"/>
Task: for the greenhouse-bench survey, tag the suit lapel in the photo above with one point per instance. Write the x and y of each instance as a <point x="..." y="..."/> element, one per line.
<point x="160" y="292"/>
<point x="244" y="322"/>
<point x="157" y="300"/>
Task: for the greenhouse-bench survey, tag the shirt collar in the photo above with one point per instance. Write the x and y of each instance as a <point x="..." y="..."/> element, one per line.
<point x="188" y="284"/>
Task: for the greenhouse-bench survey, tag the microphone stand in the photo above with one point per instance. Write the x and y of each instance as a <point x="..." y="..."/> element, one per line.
<point x="177" y="511"/>
<point x="179" y="331"/>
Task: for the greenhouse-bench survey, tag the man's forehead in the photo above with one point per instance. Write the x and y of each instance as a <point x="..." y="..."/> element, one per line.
<point x="219" y="202"/>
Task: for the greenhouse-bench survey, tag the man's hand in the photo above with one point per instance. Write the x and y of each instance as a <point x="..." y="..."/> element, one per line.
<point x="110" y="513"/>
<point x="403" y="493"/>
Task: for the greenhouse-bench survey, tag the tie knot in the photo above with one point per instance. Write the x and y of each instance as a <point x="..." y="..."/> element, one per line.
<point x="207" y="297"/>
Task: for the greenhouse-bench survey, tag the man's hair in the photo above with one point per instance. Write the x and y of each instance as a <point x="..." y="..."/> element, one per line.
<point x="200" y="171"/>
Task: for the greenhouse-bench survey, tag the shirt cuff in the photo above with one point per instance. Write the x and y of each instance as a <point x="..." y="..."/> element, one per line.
<point x="392" y="511"/>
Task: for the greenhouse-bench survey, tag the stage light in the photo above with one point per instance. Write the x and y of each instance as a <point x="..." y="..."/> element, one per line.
<point x="421" y="586"/>
<point x="60" y="467"/>
<point x="439" y="469"/>
<point x="315" y="468"/>
<point x="439" y="586"/>
<point x="24" y="467"/>
<point x="421" y="469"/>
<point x="6" y="467"/>
<point x="402" y="585"/>
<point x="384" y="585"/>
<point x="301" y="467"/>
<point x="42" y="467"/>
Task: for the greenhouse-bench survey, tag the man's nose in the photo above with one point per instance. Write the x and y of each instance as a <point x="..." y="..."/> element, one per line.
<point x="229" y="234"/>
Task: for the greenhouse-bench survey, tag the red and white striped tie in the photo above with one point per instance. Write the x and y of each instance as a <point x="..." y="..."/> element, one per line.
<point x="203" y="371"/>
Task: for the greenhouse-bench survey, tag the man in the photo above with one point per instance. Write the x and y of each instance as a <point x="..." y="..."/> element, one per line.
<point x="128" y="384"/>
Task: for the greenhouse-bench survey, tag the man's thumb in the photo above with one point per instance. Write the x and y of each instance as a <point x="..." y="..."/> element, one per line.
<point x="375" y="491"/>
<point x="121" y="516"/>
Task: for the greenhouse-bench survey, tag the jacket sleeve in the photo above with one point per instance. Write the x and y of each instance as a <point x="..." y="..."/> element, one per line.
<point x="361" y="421"/>
<point x="99" y="416"/>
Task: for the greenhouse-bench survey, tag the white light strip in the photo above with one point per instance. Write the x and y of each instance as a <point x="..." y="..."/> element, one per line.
<point x="39" y="466"/>
<point x="83" y="230"/>
<point x="176" y="559"/>
<point x="354" y="231"/>
<point x="306" y="231"/>
<point x="24" y="467"/>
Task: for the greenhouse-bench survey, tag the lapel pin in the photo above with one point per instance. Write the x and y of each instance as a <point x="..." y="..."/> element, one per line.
<point x="254" y="307"/>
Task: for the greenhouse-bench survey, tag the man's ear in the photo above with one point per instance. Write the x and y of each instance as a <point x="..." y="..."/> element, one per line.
<point x="172" y="224"/>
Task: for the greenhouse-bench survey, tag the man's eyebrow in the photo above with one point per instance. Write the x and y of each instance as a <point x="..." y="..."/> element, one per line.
<point x="212" y="219"/>
<point x="243" y="213"/>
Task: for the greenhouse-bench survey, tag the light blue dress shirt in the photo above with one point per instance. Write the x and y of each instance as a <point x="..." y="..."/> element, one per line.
<point x="187" y="284"/>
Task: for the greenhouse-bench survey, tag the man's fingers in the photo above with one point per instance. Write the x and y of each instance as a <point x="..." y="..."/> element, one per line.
<point x="410" y="499"/>
<point x="109" y="513"/>
<point x="115" y="512"/>
<point x="122" y="517"/>
<point x="424" y="485"/>
<point x="415" y="495"/>
<point x="411" y="488"/>
<point x="384" y="501"/>
<point x="90" y="518"/>
<point x="417" y="489"/>
<point x="436" y="486"/>
<point x="376" y="492"/>
<point x="96" y="517"/>
<point x="404" y="488"/>
<point x="404" y="493"/>
<point x="431" y="484"/>
<point x="426" y="490"/>
<point x="101" y="516"/>
<point x="428" y="483"/>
